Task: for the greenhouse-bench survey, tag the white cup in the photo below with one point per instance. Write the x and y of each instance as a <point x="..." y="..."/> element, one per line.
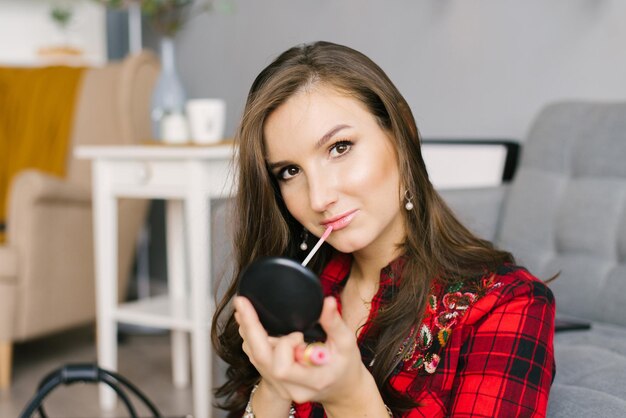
<point x="174" y="129"/>
<point x="207" y="119"/>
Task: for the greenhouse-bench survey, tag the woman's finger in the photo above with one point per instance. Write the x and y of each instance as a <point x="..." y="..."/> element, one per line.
<point x="336" y="329"/>
<point x="246" y="315"/>
<point x="284" y="350"/>
<point x="251" y="329"/>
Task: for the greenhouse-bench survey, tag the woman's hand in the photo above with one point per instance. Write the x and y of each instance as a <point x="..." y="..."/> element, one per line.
<point x="274" y="358"/>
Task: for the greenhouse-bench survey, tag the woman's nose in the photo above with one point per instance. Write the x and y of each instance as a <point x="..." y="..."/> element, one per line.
<point x="322" y="192"/>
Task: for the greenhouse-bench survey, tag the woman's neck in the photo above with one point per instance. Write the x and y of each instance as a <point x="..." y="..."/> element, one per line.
<point x="363" y="284"/>
<point x="370" y="260"/>
<point x="366" y="265"/>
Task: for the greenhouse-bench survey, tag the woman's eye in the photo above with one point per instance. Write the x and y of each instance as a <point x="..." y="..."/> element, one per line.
<point x="340" y="148"/>
<point x="288" y="172"/>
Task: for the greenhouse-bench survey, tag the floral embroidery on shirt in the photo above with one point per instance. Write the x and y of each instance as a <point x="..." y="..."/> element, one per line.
<point x="444" y="309"/>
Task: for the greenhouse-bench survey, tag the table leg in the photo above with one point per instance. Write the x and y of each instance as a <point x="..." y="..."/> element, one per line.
<point x="198" y="213"/>
<point x="177" y="289"/>
<point x="105" y="243"/>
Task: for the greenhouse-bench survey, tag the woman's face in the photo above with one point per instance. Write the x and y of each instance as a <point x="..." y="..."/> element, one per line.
<point x="336" y="167"/>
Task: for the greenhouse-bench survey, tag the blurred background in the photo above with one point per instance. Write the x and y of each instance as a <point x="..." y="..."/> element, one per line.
<point x="471" y="69"/>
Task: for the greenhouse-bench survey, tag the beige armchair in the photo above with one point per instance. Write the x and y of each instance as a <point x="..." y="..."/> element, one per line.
<point x="46" y="263"/>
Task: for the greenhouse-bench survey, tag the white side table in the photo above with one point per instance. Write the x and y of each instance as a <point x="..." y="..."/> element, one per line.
<point x="188" y="178"/>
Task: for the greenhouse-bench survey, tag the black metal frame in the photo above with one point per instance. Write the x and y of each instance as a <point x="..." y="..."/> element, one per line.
<point x="89" y="373"/>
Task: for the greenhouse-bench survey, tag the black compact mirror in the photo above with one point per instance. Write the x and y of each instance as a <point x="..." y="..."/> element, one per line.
<point x="286" y="296"/>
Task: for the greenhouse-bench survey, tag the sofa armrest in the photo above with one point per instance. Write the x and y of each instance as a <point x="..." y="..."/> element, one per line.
<point x="33" y="187"/>
<point x="37" y="186"/>
<point x="478" y="208"/>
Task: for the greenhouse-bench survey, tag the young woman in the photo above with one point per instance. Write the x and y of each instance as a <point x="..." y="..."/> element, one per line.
<point x="422" y="317"/>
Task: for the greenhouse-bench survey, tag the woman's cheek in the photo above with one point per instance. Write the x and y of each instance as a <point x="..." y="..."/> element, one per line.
<point x="363" y="176"/>
<point x="295" y="202"/>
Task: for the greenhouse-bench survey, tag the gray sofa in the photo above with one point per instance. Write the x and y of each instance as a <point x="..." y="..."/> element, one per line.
<point x="565" y="211"/>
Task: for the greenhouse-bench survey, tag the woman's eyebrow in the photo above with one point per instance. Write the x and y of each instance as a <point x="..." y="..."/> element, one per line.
<point x="273" y="166"/>
<point x="326" y="137"/>
<point x="320" y="143"/>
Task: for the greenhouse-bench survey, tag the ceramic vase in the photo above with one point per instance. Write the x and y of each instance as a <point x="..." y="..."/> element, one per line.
<point x="169" y="124"/>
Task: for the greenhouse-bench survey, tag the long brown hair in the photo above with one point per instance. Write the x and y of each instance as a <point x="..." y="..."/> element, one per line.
<point x="436" y="245"/>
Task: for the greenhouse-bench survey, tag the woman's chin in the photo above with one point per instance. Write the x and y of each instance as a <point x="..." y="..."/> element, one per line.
<point x="347" y="247"/>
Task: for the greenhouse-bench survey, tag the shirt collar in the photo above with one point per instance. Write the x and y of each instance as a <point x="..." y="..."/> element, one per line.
<point x="336" y="272"/>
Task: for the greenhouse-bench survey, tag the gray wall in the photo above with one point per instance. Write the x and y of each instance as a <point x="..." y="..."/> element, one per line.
<point x="468" y="68"/>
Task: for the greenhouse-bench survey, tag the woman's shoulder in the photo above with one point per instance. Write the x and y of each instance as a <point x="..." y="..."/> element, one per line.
<point x="509" y="285"/>
<point x="508" y="280"/>
<point x="511" y="281"/>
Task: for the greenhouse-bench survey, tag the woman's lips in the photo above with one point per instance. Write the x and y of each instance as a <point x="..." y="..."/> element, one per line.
<point x="341" y="221"/>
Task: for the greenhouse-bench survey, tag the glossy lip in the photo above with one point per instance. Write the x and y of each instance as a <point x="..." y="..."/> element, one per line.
<point x="341" y="221"/>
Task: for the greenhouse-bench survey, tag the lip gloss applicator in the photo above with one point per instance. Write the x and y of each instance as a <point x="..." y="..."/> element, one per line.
<point x="317" y="246"/>
<point x="313" y="354"/>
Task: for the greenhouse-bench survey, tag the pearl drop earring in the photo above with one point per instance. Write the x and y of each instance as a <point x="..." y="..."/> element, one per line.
<point x="305" y="235"/>
<point x="408" y="205"/>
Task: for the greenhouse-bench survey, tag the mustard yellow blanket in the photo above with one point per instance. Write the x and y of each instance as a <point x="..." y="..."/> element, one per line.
<point x="36" y="113"/>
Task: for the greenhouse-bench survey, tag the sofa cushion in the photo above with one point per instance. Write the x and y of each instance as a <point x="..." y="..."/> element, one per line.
<point x="572" y="401"/>
<point x="591" y="372"/>
<point x="478" y="208"/>
<point x="592" y="367"/>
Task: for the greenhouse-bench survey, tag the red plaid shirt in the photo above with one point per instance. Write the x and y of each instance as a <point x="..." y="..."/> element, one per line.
<point x="483" y="350"/>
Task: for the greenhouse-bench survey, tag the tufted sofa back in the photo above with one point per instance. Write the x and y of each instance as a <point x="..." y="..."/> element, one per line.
<point x="566" y="209"/>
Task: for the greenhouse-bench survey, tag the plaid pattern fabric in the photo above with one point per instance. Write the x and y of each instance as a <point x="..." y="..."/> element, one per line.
<point x="483" y="350"/>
